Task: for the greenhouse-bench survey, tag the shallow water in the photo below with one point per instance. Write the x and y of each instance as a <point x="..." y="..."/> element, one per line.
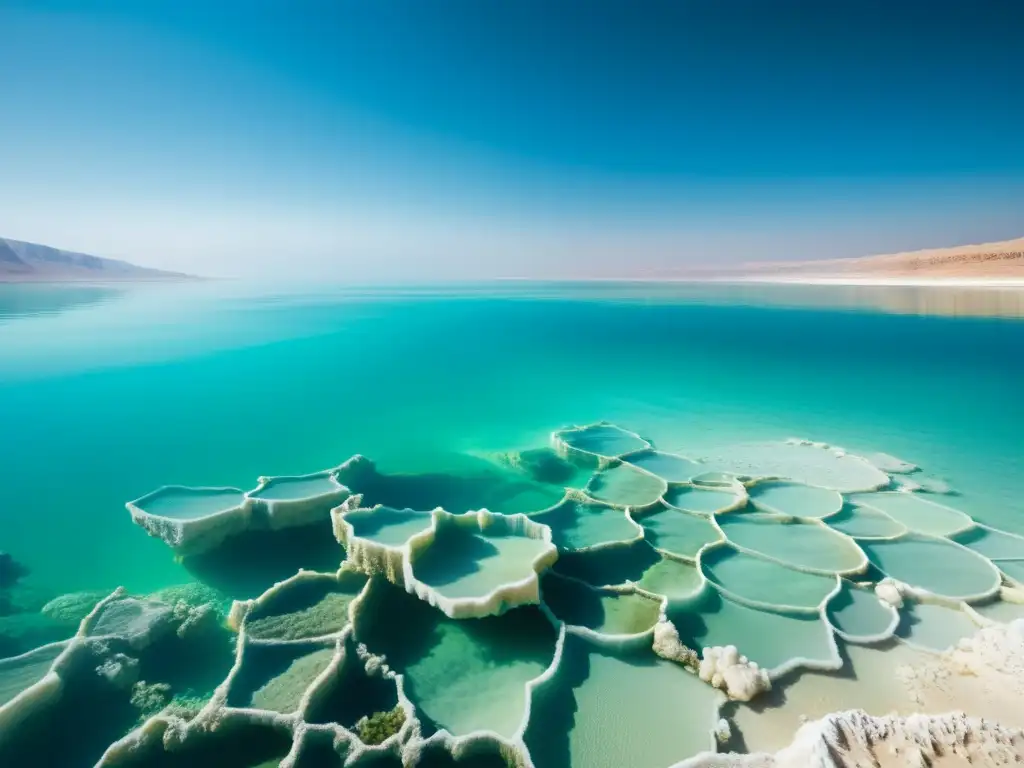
<point x="113" y="394"/>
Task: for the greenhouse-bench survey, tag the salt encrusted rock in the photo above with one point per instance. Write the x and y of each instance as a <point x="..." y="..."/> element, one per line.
<point x="668" y="645"/>
<point x="888" y="591"/>
<point x="739" y="678"/>
<point x="722" y="731"/>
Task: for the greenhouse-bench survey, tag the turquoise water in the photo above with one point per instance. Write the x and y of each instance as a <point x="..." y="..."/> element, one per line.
<point x="104" y="396"/>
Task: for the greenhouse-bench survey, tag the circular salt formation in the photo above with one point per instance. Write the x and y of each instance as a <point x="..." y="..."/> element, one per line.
<point x="623" y="485"/>
<point x="860" y="616"/>
<point x="678" y="533"/>
<point x="668" y="466"/>
<point x="865" y="523"/>
<point x="178" y="502"/>
<point x="296" y="488"/>
<point x="917" y="514"/>
<point x="800" y="462"/>
<point x="763" y="582"/>
<point x="795" y="499"/>
<point x="704" y="501"/>
<point x="934" y="565"/>
<point x="579" y="525"/>
<point x="809" y="546"/>
<point x="599" y="441"/>
<point x="671" y="578"/>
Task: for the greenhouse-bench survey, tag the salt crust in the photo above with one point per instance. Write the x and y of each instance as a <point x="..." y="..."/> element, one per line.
<point x="839" y="739"/>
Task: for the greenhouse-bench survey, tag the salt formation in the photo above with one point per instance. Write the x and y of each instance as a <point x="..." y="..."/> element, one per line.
<point x="668" y="645"/>
<point x="196" y="520"/>
<point x="461" y="634"/>
<point x="740" y="678"/>
<point x="854" y="738"/>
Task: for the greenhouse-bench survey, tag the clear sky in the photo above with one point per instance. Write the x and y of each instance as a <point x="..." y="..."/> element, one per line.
<point x="479" y="138"/>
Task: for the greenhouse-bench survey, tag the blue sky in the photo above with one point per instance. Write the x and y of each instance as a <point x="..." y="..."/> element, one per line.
<point x="460" y="138"/>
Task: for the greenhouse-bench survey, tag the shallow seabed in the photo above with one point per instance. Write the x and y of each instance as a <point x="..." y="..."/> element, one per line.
<point x="692" y="508"/>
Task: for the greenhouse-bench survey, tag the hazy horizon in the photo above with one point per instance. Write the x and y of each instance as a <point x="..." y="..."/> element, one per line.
<point x="386" y="140"/>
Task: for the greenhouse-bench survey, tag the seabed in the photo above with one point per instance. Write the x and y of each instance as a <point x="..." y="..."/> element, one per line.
<point x="626" y="623"/>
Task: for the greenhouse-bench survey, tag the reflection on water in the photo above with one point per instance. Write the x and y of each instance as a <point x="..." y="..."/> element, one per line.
<point x="939" y="300"/>
<point x="21" y="300"/>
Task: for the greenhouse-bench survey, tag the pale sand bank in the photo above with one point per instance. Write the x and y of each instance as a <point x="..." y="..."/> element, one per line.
<point x="988" y="264"/>
<point x="962" y="707"/>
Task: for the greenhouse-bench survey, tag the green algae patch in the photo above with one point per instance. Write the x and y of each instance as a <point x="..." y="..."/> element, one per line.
<point x="380" y="726"/>
<point x="311" y="606"/>
<point x="462" y="675"/>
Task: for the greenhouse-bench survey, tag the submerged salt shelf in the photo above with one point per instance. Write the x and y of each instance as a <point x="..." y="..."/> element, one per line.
<point x="564" y="629"/>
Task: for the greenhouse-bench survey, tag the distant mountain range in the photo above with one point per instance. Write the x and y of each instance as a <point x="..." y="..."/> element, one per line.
<point x="22" y="262"/>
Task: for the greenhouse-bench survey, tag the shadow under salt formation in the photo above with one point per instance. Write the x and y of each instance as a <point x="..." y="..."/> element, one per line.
<point x="309" y="606"/>
<point x="274" y="677"/>
<point x="479" y="485"/>
<point x="462" y="675"/>
<point x="237" y="742"/>
<point x="351" y="692"/>
<point x="246" y="565"/>
<point x="609" y="565"/>
<point x="667" y="712"/>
